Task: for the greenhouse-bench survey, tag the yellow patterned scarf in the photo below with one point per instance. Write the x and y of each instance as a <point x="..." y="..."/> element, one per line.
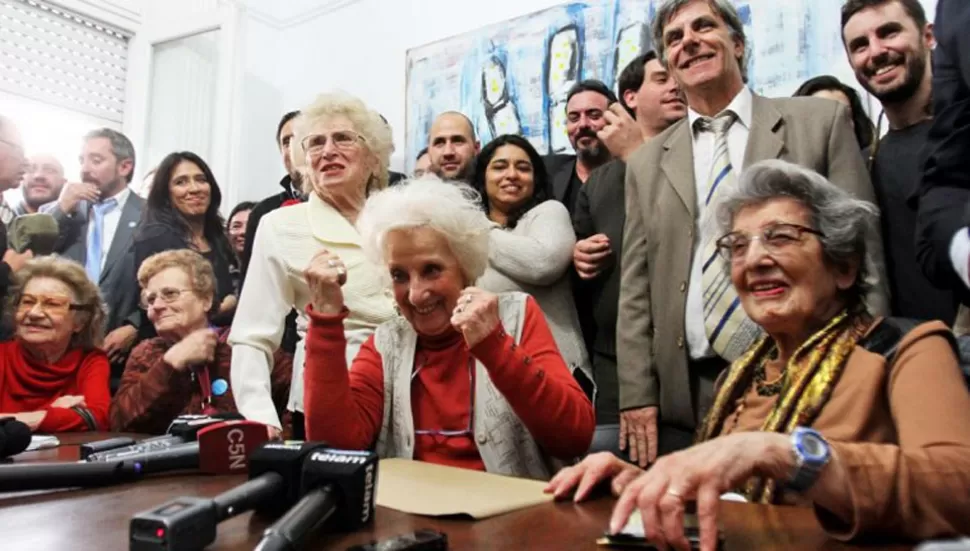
<point x="811" y="374"/>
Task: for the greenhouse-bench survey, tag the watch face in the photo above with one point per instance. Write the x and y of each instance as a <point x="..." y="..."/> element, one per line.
<point x="813" y="447"/>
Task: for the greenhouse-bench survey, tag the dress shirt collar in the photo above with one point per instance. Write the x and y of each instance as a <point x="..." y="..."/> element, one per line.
<point x="740" y="106"/>
<point x="121" y="197"/>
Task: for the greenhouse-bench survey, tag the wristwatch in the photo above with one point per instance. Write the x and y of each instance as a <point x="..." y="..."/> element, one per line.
<point x="811" y="454"/>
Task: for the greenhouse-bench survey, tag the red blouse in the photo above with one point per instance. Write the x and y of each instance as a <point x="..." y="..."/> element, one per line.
<point x="345" y="408"/>
<point x="28" y="384"/>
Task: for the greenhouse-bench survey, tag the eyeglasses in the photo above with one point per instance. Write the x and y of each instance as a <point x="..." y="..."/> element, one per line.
<point x="775" y="238"/>
<point x="341" y="139"/>
<point x="471" y="405"/>
<point x="50" y="304"/>
<point x="167" y="294"/>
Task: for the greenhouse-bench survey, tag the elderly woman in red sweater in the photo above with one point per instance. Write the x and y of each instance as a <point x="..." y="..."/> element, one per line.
<point x="186" y="368"/>
<point x="463" y="377"/>
<point x="53" y="376"/>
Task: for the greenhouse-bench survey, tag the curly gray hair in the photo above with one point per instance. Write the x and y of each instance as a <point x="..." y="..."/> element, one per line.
<point x="845" y="222"/>
<point x="366" y="122"/>
<point x="450" y="208"/>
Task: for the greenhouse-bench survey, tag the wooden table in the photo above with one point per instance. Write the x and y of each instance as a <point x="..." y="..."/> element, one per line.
<point x="97" y="519"/>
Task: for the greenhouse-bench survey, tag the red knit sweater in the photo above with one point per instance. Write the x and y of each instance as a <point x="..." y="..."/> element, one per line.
<point x="346" y="408"/>
<point x="28" y="384"/>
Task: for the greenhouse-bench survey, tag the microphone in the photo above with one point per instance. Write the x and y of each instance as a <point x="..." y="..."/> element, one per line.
<point x="275" y="472"/>
<point x="185" y="428"/>
<point x="91" y="448"/>
<point x="334" y="482"/>
<point x="216" y="452"/>
<point x="15" y="437"/>
<point x="36" y="232"/>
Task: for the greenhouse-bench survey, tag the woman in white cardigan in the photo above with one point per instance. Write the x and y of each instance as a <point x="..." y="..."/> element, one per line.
<point x="530" y="248"/>
<point x="347" y="149"/>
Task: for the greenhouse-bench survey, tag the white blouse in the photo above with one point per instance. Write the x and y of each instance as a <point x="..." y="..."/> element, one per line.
<point x="286" y="240"/>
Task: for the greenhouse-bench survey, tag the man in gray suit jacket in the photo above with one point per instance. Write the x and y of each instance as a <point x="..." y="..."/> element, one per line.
<point x="98" y="218"/>
<point x="670" y="348"/>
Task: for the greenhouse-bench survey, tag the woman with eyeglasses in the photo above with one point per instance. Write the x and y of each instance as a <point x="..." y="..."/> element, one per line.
<point x="53" y="375"/>
<point x="185" y="369"/>
<point x="864" y="419"/>
<point x="347" y="150"/>
<point x="464" y="377"/>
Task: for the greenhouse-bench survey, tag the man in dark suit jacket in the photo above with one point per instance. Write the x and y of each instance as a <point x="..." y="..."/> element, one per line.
<point x="587" y="103"/>
<point x="648" y="92"/>
<point x="99" y="216"/>
<point x="943" y="246"/>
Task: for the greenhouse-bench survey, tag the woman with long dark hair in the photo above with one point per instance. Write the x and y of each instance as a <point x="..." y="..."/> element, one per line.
<point x="531" y="244"/>
<point x="182" y="212"/>
<point x="829" y="87"/>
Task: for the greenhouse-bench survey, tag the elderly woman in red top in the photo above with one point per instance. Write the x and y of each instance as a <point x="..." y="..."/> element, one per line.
<point x="53" y="377"/>
<point x="464" y="377"/>
<point x="186" y="368"/>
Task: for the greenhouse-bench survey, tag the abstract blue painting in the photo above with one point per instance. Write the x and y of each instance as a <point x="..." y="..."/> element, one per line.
<point x="512" y="77"/>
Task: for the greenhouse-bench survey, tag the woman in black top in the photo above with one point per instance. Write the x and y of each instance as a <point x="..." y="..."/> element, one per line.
<point x="182" y="212"/>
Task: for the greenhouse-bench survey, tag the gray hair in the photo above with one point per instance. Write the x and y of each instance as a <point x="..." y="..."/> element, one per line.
<point x="366" y="122"/>
<point x="450" y="208"/>
<point x="845" y="221"/>
<point x="723" y="8"/>
<point x="121" y="146"/>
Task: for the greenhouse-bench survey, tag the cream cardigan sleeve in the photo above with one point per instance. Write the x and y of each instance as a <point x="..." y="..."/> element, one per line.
<point x="540" y="248"/>
<point x="257" y="328"/>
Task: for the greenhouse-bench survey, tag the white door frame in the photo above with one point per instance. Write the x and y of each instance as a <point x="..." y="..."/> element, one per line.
<point x="227" y="18"/>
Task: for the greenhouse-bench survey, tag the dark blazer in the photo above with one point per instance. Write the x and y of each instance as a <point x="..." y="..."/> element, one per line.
<point x="560" y="169"/>
<point x="600" y="209"/>
<point x="118" y="283"/>
<point x="944" y="196"/>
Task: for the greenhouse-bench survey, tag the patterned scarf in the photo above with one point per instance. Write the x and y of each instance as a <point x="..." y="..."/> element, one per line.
<point x="811" y="374"/>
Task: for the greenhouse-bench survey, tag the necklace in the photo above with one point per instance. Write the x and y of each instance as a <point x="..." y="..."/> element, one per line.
<point x="764" y="387"/>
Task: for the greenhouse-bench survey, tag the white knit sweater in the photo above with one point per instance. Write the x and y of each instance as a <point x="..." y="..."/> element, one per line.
<point x="534" y="258"/>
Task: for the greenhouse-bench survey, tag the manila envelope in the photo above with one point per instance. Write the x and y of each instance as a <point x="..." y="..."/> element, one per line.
<point x="422" y="488"/>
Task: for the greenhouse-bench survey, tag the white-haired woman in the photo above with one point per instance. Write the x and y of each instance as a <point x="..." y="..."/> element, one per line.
<point x="855" y="416"/>
<point x="347" y="149"/>
<point x="465" y="377"/>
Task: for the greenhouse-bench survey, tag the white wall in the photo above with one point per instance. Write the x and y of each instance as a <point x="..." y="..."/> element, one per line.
<point x="258" y="113"/>
<point x="361" y="49"/>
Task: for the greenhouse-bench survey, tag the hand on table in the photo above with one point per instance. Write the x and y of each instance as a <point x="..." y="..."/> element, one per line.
<point x="700" y="473"/>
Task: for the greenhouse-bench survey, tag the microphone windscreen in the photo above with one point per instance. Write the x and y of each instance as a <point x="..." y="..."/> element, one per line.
<point x="354" y="473"/>
<point x="36" y="232"/>
<point x="224" y="448"/>
<point x="17" y="438"/>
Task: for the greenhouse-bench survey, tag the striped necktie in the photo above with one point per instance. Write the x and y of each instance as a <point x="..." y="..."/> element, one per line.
<point x="729" y="329"/>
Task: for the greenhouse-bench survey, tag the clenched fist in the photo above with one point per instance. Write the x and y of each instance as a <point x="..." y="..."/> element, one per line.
<point x="476" y="315"/>
<point x="325" y="275"/>
<point x="198" y="348"/>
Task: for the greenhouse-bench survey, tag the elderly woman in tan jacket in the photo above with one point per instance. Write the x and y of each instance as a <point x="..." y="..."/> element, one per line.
<point x="812" y="414"/>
